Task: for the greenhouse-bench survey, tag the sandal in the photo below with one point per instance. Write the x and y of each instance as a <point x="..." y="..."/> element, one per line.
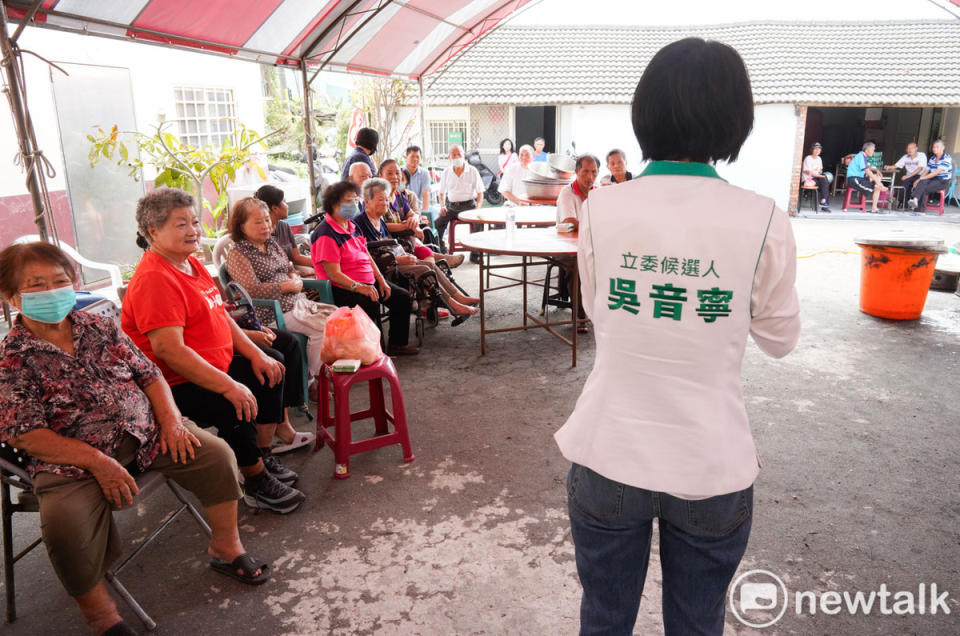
<point x="242" y="569"/>
<point x="121" y="629"/>
<point x="299" y="441"/>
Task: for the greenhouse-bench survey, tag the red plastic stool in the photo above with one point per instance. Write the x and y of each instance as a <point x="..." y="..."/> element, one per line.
<point x="943" y="196"/>
<point x="343" y="445"/>
<point x="862" y="205"/>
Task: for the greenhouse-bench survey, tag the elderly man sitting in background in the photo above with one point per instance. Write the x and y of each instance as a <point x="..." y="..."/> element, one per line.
<point x="864" y="178"/>
<point x="512" y="186"/>
<point x="461" y="189"/>
<point x="617" y="165"/>
<point x="936" y="177"/>
<point x="912" y="165"/>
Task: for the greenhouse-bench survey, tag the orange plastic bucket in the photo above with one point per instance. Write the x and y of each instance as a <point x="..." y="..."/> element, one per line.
<point x="894" y="278"/>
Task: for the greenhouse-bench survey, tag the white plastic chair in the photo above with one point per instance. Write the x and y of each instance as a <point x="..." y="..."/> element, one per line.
<point x="220" y="250"/>
<point x="116" y="278"/>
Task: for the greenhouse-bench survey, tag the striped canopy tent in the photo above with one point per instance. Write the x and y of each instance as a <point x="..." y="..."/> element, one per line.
<point x="394" y="38"/>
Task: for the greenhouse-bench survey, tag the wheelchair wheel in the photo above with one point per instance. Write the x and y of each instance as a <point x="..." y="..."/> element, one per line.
<point x="433" y="315"/>
<point x="418" y="328"/>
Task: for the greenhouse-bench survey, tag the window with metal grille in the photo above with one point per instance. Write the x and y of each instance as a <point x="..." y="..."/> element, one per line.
<point x="443" y="133"/>
<point x="206" y="116"/>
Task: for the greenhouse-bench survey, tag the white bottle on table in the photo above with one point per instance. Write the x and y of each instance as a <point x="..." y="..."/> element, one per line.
<point x="511" y="224"/>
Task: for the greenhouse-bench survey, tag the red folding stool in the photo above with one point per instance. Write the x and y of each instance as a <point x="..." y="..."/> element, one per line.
<point x="943" y="196"/>
<point x="342" y="443"/>
<point x="862" y="205"/>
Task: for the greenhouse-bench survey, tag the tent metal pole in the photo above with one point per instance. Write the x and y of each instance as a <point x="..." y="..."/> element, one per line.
<point x="18" y="110"/>
<point x="307" y="128"/>
<point x="423" y="119"/>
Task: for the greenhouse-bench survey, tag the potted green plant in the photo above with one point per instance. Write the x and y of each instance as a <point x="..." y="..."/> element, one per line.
<point x="180" y="165"/>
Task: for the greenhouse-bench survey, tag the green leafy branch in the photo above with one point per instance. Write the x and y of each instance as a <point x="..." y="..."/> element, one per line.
<point x="180" y="165"/>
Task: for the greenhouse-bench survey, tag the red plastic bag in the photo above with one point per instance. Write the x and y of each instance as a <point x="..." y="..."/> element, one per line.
<point x="350" y="334"/>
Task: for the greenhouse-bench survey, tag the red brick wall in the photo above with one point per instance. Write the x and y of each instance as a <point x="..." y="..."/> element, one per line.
<point x="797" y="160"/>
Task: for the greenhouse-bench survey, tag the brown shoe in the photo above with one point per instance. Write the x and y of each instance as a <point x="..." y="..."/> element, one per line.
<point x="454" y="260"/>
<point x="402" y="350"/>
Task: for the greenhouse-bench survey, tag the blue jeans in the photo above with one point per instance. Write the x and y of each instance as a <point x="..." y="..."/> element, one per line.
<point x="701" y="544"/>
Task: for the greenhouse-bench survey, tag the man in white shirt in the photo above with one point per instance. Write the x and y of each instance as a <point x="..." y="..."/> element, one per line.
<point x="813" y="170"/>
<point x="912" y="165"/>
<point x="571" y="198"/>
<point x="461" y="189"/>
<point x="512" y="186"/>
<point x="569" y="204"/>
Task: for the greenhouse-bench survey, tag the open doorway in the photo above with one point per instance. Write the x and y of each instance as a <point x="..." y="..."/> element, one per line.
<point x="537" y="121"/>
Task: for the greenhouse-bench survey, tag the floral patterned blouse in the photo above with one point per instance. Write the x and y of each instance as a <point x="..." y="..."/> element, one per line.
<point x="261" y="274"/>
<point x="95" y="395"/>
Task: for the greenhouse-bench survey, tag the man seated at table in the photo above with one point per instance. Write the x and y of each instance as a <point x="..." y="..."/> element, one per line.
<point x="569" y="204"/>
<point x="813" y="170"/>
<point x="864" y="178"/>
<point x="461" y="189"/>
<point x="936" y="177"/>
<point x="571" y="197"/>
<point x="912" y="164"/>
<point x="617" y="165"/>
<point x="512" y="185"/>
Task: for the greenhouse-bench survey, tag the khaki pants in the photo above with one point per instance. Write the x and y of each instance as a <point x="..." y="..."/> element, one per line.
<point x="76" y="521"/>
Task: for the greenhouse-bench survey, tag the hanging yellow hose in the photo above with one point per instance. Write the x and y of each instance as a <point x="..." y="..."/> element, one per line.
<point x="828" y="252"/>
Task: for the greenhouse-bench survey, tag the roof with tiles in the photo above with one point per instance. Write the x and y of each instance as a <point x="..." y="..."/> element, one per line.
<point x="891" y="63"/>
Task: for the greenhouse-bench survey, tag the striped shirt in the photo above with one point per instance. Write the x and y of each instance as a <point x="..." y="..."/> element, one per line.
<point x="944" y="162"/>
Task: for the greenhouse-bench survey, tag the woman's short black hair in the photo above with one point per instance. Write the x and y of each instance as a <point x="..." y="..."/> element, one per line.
<point x="693" y="102"/>
<point x="271" y="195"/>
<point x="334" y="194"/>
<point x="512" y="147"/>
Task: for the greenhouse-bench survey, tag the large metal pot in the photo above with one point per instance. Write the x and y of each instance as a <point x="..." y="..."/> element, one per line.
<point x="544" y="172"/>
<point x="540" y="189"/>
<point x="564" y="166"/>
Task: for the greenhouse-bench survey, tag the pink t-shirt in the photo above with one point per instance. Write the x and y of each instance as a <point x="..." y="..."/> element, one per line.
<point x="332" y="244"/>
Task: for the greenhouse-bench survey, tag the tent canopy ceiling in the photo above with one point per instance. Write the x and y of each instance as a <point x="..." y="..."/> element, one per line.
<point x="400" y="38"/>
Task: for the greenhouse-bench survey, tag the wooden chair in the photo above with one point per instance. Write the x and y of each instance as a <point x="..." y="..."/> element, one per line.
<point x="808" y="192"/>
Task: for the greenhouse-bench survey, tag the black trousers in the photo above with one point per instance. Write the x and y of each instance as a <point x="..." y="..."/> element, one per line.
<point x="207" y="408"/>
<point x="823" y="186"/>
<point x="286" y="348"/>
<point x="400" y="305"/>
<point x="928" y="186"/>
<point x="908" y="184"/>
<point x="454" y="208"/>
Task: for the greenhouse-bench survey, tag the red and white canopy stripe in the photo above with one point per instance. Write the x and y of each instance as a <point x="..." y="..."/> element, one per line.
<point x="406" y="38"/>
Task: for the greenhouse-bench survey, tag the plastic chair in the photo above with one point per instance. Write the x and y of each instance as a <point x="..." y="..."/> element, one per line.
<point x="861" y="205"/>
<point x="220" y="250"/>
<point x="342" y="420"/>
<point x="116" y="278"/>
<point x="954" y="191"/>
<point x="941" y="196"/>
<point x="13" y="474"/>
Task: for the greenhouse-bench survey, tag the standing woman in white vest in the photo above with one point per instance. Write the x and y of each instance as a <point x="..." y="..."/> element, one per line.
<point x="676" y="267"/>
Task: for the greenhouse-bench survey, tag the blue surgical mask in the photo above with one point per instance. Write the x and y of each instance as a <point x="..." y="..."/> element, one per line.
<point x="50" y="306"/>
<point x="348" y="211"/>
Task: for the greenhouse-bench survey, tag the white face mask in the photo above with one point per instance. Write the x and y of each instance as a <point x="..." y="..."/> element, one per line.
<point x="458" y="162"/>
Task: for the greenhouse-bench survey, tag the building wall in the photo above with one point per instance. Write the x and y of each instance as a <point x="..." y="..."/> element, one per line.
<point x="597" y="129"/>
<point x="154" y="72"/>
<point x="766" y="160"/>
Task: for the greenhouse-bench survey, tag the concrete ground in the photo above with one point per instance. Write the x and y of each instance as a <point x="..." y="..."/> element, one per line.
<point x="857" y="430"/>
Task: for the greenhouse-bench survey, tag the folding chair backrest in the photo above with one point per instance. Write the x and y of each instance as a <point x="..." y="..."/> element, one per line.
<point x="15" y="461"/>
<point x="105" y="309"/>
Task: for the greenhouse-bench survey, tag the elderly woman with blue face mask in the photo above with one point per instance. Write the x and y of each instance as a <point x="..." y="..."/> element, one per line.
<point x="89" y="407"/>
<point x="339" y="253"/>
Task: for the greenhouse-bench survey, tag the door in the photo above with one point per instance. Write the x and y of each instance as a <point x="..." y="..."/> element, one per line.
<point x="537" y="121"/>
<point x="103" y="199"/>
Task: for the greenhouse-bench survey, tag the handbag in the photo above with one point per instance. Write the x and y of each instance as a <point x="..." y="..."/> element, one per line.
<point x="239" y="306"/>
<point x="311" y="313"/>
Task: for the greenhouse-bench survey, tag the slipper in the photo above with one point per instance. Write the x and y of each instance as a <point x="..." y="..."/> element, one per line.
<point x="299" y="441"/>
<point x="247" y="566"/>
<point x="459" y="320"/>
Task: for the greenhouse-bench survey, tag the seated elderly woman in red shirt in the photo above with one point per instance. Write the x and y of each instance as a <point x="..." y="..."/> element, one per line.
<point x="340" y="255"/>
<point x="90" y="408"/>
<point x="174" y="312"/>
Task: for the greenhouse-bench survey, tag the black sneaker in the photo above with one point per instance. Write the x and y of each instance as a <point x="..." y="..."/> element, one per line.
<point x="278" y="470"/>
<point x="264" y="491"/>
<point x="825" y="208"/>
<point x="475" y="257"/>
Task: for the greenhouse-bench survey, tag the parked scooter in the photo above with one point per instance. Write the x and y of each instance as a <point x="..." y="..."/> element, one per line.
<point x="490" y="181"/>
